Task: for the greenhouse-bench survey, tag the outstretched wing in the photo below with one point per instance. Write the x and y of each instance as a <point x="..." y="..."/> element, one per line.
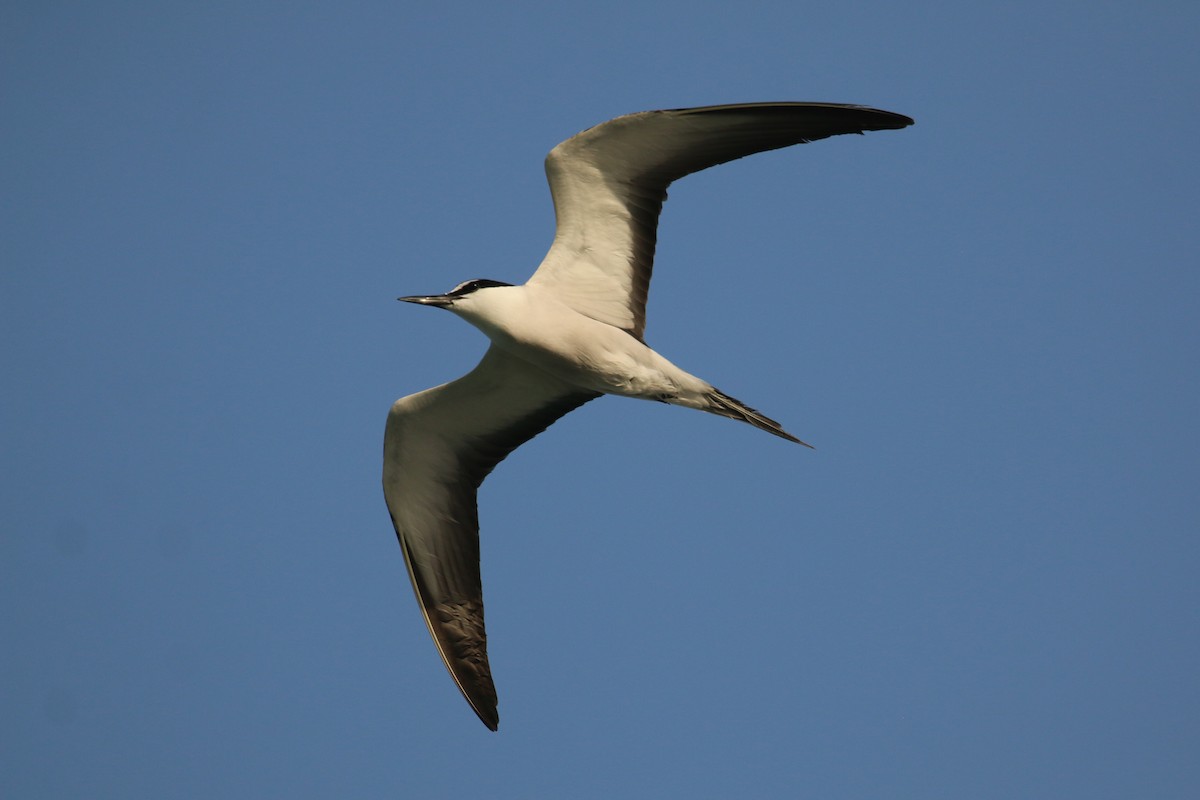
<point x="438" y="447"/>
<point x="610" y="181"/>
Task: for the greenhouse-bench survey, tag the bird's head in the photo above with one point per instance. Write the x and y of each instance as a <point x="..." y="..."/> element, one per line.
<point x="457" y="294"/>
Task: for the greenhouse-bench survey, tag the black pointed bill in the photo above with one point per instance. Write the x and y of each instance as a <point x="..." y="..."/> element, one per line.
<point x="439" y="300"/>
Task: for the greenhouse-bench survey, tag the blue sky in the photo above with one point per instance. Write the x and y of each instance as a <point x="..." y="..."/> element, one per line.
<point x="982" y="583"/>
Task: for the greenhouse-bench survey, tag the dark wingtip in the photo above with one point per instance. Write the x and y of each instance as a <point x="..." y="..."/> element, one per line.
<point x="487" y="715"/>
<point x="893" y="119"/>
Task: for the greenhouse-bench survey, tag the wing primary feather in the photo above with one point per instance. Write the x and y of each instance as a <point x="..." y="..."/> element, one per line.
<point x="458" y="631"/>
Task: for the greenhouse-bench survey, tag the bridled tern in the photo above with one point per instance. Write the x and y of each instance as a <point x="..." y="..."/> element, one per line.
<point x="572" y="332"/>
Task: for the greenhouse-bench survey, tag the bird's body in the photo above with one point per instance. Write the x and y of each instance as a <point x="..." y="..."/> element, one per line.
<point x="571" y="333"/>
<point x="530" y="322"/>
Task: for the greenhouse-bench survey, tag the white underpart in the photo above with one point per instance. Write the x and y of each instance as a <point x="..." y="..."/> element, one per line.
<point x="531" y="323"/>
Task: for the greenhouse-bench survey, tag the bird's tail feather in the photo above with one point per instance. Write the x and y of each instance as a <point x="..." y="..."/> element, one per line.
<point x="726" y="406"/>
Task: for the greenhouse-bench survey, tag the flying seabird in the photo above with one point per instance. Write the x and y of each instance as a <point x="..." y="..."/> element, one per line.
<point x="572" y="332"/>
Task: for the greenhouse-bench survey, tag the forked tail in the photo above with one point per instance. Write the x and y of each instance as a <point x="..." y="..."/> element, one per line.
<point x="726" y="406"/>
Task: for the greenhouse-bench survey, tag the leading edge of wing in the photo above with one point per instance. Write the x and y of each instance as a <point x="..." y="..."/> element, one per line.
<point x="439" y="446"/>
<point x="610" y="181"/>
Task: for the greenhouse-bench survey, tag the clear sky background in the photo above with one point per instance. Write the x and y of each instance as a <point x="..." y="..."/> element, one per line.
<point x="981" y="584"/>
